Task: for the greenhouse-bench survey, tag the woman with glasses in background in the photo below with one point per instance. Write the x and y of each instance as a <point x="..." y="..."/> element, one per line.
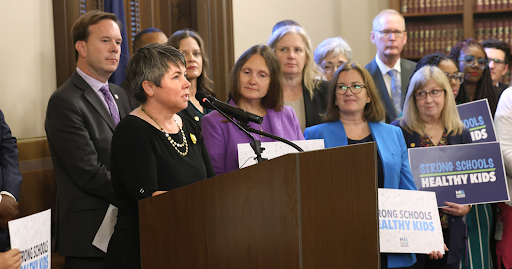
<point x="331" y="54"/>
<point x="473" y="62"/>
<point x="354" y="115"/>
<point x="477" y="85"/>
<point x="430" y="118"/>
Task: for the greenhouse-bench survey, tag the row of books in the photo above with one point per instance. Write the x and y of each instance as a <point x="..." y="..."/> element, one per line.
<point x="441" y="6"/>
<point x="501" y="30"/>
<point x="430" y="6"/>
<point x="423" y="39"/>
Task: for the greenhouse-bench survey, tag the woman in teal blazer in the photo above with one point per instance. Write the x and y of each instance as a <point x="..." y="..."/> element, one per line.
<point x="354" y="112"/>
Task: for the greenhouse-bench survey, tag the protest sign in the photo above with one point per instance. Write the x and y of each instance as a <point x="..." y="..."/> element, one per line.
<point x="32" y="236"/>
<point x="463" y="174"/>
<point x="476" y="117"/>
<point x="409" y="222"/>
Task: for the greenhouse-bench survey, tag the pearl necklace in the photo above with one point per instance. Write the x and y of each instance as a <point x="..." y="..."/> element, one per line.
<point x="169" y="138"/>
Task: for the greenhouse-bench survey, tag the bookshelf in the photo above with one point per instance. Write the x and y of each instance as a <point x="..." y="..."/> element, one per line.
<point x="436" y="25"/>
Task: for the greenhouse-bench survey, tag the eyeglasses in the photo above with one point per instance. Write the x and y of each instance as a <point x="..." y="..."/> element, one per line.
<point x="387" y="33"/>
<point x="328" y="67"/>
<point x="420" y="95"/>
<point x="458" y="77"/>
<point x="470" y="61"/>
<point x="355" y="89"/>
<point x="497" y="61"/>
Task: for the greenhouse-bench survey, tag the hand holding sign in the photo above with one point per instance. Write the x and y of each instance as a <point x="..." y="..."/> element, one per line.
<point x="10" y="259"/>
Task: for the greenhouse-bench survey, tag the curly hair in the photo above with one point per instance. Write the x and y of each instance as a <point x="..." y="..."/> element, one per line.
<point x="484" y="88"/>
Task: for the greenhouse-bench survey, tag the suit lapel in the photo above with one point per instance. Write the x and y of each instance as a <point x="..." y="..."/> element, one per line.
<point x="94" y="99"/>
<point x="275" y="121"/>
<point x="407" y="70"/>
<point x="383" y="91"/>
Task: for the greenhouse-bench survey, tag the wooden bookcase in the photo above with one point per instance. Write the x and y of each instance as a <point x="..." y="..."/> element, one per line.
<point x="473" y="19"/>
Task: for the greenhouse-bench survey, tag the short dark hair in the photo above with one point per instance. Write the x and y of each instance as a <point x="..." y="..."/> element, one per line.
<point x="274" y="98"/>
<point x="80" y="30"/>
<point x="373" y="111"/>
<point x="150" y="63"/>
<point x="204" y="83"/>
<point x="137" y="40"/>
<point x="500" y="45"/>
<point x="284" y="23"/>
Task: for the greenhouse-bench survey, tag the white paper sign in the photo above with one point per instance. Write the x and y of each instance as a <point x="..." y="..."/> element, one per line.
<point x="409" y="222"/>
<point x="247" y="157"/>
<point x="106" y="229"/>
<point x="32" y="236"/>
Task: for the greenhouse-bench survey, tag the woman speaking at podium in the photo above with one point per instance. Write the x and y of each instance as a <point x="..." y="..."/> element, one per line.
<point x="256" y="88"/>
<point x="153" y="149"/>
<point x="354" y="112"/>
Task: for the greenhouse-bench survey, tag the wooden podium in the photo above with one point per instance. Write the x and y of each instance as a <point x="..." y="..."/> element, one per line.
<point x="306" y="210"/>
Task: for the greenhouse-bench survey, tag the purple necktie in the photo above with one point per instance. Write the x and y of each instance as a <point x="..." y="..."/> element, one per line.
<point x="111" y="104"/>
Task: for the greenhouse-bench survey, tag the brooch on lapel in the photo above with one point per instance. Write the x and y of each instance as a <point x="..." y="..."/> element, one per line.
<point x="196" y="118"/>
<point x="193" y="138"/>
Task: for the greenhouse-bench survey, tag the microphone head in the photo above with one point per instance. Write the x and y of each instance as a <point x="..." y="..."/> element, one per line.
<point x="204" y="99"/>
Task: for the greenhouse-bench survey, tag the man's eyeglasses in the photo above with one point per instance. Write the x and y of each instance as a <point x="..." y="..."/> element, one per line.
<point x="496" y="61"/>
<point x="355" y="89"/>
<point x="420" y="95"/>
<point x="470" y="61"/>
<point x="387" y="33"/>
<point x="458" y="77"/>
<point x="328" y="67"/>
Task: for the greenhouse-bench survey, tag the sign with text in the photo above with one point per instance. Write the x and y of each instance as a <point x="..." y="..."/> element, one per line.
<point x="476" y="117"/>
<point x="247" y="157"/>
<point x="409" y="222"/>
<point x="32" y="236"/>
<point x="463" y="174"/>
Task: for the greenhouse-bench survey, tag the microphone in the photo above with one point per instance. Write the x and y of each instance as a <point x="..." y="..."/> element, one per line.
<point x="241" y="115"/>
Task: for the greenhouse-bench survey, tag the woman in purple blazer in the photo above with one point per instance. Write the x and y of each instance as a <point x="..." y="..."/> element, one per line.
<point x="256" y="88"/>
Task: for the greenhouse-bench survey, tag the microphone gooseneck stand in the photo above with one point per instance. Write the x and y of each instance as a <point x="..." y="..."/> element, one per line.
<point x="252" y="130"/>
<point x="255" y="144"/>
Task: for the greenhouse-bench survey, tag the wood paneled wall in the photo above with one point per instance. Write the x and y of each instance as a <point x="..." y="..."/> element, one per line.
<point x="213" y="19"/>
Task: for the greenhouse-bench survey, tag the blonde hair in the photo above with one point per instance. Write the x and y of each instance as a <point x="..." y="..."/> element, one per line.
<point x="411" y="120"/>
<point x="376" y="21"/>
<point x="310" y="71"/>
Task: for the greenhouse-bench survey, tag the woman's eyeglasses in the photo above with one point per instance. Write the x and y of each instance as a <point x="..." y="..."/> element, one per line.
<point x="458" y="77"/>
<point x="328" y="67"/>
<point x="470" y="61"/>
<point x="355" y="89"/>
<point x="420" y="95"/>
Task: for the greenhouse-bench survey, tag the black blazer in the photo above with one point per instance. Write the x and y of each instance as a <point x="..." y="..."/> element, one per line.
<point x="79" y="129"/>
<point x="407" y="67"/>
<point x="500" y="88"/>
<point x="10" y="175"/>
<point x="192" y="113"/>
<point x="315" y="108"/>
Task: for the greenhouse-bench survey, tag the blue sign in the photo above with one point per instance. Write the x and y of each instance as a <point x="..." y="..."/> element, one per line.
<point x="476" y="117"/>
<point x="463" y="174"/>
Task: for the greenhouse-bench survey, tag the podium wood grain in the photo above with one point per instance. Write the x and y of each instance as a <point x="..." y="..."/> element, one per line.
<point x="307" y="210"/>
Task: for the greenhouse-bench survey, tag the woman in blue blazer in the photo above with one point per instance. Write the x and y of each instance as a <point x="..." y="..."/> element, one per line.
<point x="354" y="112"/>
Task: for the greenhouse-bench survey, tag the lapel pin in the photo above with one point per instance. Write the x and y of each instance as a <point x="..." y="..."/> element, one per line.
<point x="196" y="118"/>
<point x="116" y="96"/>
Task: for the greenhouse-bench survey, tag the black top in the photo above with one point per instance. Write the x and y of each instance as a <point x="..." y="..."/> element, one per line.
<point x="194" y="114"/>
<point x="143" y="161"/>
<point x="315" y="108"/>
<point x="380" y="170"/>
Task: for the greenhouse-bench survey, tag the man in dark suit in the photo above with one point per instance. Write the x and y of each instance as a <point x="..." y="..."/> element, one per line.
<point x="390" y="73"/>
<point x="80" y="120"/>
<point x="498" y="53"/>
<point x="10" y="180"/>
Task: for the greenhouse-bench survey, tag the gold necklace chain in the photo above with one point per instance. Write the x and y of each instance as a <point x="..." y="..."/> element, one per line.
<point x="169" y="138"/>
